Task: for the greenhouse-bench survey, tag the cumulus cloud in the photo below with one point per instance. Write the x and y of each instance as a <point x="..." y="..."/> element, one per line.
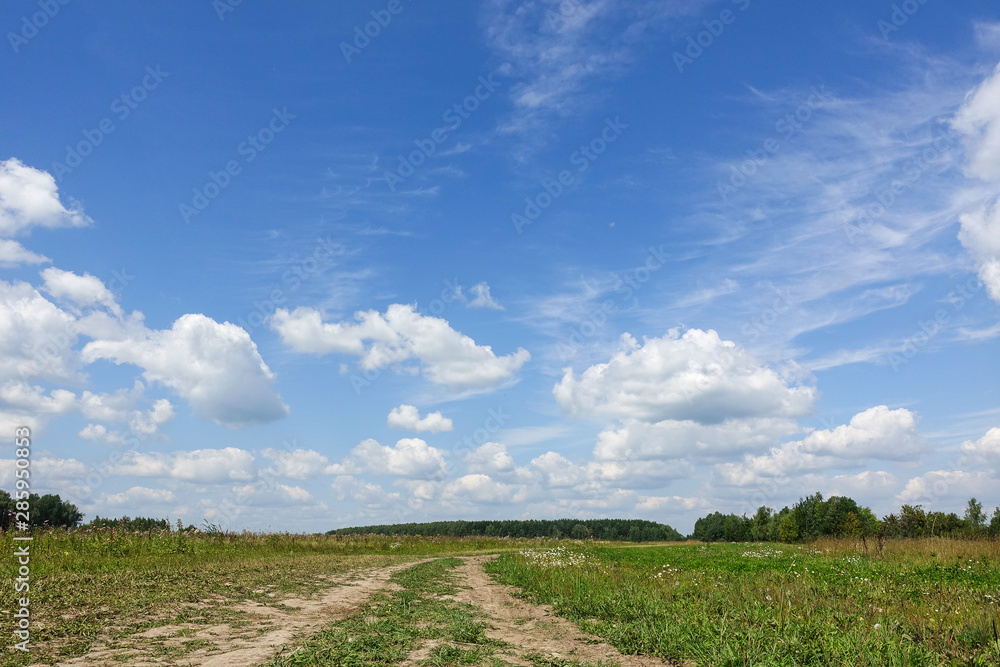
<point x="980" y="235"/>
<point x="477" y="488"/>
<point x="36" y="336"/>
<point x="877" y="433"/>
<point x="978" y="120"/>
<point x="634" y="439"/>
<point x="492" y="459"/>
<point x="445" y="356"/>
<point x="984" y="451"/>
<point x="137" y="495"/>
<point x="408" y="417"/>
<point x="368" y="495"/>
<point x="216" y="367"/>
<point x="942" y="485"/>
<point x="296" y="464"/>
<point x="30" y="198"/>
<point x="273" y="494"/>
<point x="13" y="254"/>
<point x="209" y="466"/>
<point x="86" y="290"/>
<point x="410" y="458"/>
<point x="482" y="298"/>
<point x="695" y="376"/>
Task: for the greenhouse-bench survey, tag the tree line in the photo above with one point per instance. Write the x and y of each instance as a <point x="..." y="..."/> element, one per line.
<point x="631" y="530"/>
<point x="840" y="516"/>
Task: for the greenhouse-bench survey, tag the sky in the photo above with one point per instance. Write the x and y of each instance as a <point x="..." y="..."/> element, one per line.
<point x="293" y="267"/>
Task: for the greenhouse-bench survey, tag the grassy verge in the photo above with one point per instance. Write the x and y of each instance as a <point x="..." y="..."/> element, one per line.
<point x="413" y="623"/>
<point x="103" y="586"/>
<point x="933" y="602"/>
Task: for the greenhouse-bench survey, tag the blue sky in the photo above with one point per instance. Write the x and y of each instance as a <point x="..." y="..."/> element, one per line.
<point x="540" y="259"/>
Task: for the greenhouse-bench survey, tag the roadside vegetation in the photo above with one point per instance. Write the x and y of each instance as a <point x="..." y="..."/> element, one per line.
<point x="922" y="602"/>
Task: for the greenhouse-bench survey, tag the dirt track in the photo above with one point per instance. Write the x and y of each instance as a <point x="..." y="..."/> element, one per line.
<point x="534" y="628"/>
<point x="528" y="629"/>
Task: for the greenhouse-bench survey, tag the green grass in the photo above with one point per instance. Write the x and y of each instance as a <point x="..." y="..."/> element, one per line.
<point x="934" y="602"/>
<point x="395" y="624"/>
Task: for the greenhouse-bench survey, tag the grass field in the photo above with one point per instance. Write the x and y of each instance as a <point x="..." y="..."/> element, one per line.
<point x="932" y="602"/>
<point x="85" y="584"/>
<point x="929" y="602"/>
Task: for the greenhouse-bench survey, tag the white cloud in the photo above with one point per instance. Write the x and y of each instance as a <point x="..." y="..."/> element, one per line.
<point x="36" y="337"/>
<point x="877" y="433"/>
<point x="209" y="466"/>
<point x="447" y="357"/>
<point x="369" y="495"/>
<point x="673" y="504"/>
<point x="483" y="298"/>
<point x="216" y="367"/>
<point x="30" y="198"/>
<point x="410" y="457"/>
<point x="978" y="120"/>
<point x="13" y="253"/>
<point x="695" y="377"/>
<point x="297" y="464"/>
<point x="44" y="470"/>
<point x="984" y="451"/>
<point x="492" y="459"/>
<point x="477" y="488"/>
<point x="942" y="485"/>
<point x="408" y="417"/>
<point x="273" y="494"/>
<point x="86" y="290"/>
<point x="638" y="440"/>
<point x="980" y="234"/>
<point x="137" y="496"/>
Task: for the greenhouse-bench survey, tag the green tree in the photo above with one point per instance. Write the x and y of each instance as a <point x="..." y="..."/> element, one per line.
<point x="975" y="517"/>
<point x="995" y="523"/>
<point x="788" y="528"/>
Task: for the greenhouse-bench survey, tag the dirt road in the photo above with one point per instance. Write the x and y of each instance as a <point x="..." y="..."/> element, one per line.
<point x="529" y="631"/>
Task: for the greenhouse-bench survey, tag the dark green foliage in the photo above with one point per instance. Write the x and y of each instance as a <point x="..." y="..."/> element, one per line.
<point x="633" y="530"/>
<point x="139" y="523"/>
<point x="47" y="510"/>
<point x="839" y="516"/>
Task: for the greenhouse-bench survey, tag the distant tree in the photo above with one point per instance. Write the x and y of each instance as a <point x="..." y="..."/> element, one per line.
<point x="995" y="523"/>
<point x="760" y="529"/>
<point x="580" y="532"/>
<point x="912" y="521"/>
<point x="788" y="528"/>
<point x="975" y="517"/>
